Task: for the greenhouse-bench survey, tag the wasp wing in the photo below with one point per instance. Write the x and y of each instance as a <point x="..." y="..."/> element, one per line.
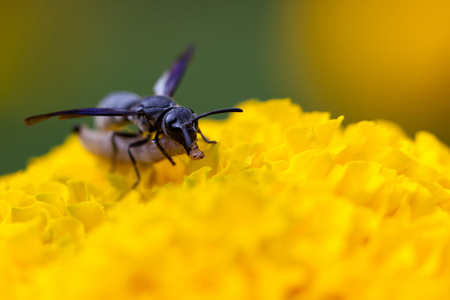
<point x="169" y="81"/>
<point x="79" y="113"/>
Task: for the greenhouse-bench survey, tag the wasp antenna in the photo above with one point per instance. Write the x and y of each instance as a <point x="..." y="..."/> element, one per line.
<point x="219" y="111"/>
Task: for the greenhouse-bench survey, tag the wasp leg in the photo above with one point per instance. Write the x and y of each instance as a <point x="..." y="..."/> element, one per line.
<point x="134" y="145"/>
<point x="114" y="145"/>
<point x="156" y="142"/>
<point x="205" y="138"/>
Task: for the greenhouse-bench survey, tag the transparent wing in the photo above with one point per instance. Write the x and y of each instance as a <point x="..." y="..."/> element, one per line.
<point x="169" y="81"/>
<point x="79" y="113"/>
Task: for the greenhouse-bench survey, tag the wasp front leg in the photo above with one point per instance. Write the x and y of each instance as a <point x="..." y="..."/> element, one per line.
<point x="205" y="138"/>
<point x="161" y="149"/>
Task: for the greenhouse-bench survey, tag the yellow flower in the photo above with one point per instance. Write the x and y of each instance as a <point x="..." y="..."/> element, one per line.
<point x="288" y="205"/>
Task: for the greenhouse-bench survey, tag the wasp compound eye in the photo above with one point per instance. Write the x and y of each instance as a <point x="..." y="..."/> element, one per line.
<point x="170" y="119"/>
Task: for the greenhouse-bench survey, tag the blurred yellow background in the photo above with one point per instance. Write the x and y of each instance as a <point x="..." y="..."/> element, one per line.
<point x="369" y="59"/>
<point x="366" y="60"/>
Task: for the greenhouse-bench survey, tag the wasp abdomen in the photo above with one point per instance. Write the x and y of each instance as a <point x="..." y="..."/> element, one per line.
<point x="99" y="143"/>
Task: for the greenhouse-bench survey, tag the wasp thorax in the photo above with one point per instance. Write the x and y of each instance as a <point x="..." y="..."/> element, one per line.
<point x="179" y="123"/>
<point x="142" y="121"/>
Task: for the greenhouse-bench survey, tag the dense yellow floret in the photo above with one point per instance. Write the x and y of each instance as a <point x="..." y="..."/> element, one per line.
<point x="288" y="205"/>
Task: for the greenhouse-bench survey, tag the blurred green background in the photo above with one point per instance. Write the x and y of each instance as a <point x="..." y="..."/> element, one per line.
<point x="364" y="60"/>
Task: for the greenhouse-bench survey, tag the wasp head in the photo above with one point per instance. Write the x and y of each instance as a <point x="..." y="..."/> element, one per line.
<point x="181" y="125"/>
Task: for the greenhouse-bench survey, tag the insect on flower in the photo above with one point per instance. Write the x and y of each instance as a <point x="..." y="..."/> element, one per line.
<point x="158" y="114"/>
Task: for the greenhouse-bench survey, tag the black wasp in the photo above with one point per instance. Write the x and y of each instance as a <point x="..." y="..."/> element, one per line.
<point x="158" y="113"/>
